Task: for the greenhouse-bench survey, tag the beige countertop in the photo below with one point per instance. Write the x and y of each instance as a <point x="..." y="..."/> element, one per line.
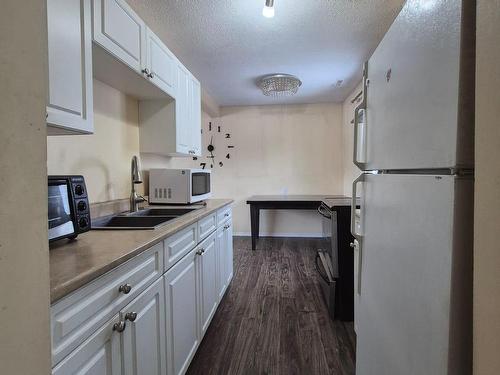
<point x="75" y="263"/>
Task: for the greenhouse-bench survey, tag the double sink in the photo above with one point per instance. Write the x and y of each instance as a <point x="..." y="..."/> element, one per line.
<point x="148" y="218"/>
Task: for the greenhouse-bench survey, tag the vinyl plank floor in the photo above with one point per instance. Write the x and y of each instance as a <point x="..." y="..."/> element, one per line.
<point x="273" y="319"/>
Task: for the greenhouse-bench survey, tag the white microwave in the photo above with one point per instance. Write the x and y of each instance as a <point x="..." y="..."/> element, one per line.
<point x="179" y="186"/>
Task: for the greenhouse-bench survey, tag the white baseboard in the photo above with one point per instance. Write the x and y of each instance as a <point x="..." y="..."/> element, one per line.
<point x="281" y="234"/>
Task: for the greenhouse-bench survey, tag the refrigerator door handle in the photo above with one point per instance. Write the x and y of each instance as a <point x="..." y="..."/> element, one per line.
<point x="357" y="113"/>
<point x="359" y="163"/>
<point x="354" y="205"/>
<point x="357" y="266"/>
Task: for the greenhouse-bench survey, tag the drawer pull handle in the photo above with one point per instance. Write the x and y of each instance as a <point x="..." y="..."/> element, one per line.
<point x="120" y="326"/>
<point x="226" y="214"/>
<point x="125" y="288"/>
<point x="200" y="251"/>
<point x="132" y="316"/>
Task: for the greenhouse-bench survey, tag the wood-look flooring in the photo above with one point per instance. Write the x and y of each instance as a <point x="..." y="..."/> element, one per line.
<point x="273" y="319"/>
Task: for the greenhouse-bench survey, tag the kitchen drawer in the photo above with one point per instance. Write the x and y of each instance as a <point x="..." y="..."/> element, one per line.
<point x="80" y="314"/>
<point x="223" y="214"/>
<point x="206" y="226"/>
<point x="179" y="244"/>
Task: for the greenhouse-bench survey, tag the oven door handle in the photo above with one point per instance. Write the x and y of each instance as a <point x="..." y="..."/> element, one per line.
<point x="322" y="212"/>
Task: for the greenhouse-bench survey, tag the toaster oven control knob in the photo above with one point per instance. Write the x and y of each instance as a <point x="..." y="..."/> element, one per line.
<point x="79" y="190"/>
<point x="82" y="206"/>
<point x="83" y="222"/>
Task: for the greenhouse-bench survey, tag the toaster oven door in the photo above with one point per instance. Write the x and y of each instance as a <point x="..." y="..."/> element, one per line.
<point x="60" y="210"/>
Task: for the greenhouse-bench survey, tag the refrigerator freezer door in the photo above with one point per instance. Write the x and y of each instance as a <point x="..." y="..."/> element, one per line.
<point x="419" y="99"/>
<point x="413" y="313"/>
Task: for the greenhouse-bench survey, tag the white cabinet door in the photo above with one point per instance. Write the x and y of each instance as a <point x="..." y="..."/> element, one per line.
<point x="221" y="262"/>
<point x="228" y="250"/>
<point x="195" y="116"/>
<point x="418" y="115"/>
<point x="181" y="298"/>
<point x="161" y="63"/>
<point x="119" y="30"/>
<point x="144" y="334"/>
<point x="208" y="281"/>
<point x="183" y="139"/>
<point x="70" y="103"/>
<point x="99" y="354"/>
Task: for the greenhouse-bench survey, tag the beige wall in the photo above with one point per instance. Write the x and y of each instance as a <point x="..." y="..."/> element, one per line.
<point x="295" y="149"/>
<point x="24" y="266"/>
<point x="279" y="150"/>
<point x="487" y="192"/>
<point x="350" y="171"/>
<point x="103" y="157"/>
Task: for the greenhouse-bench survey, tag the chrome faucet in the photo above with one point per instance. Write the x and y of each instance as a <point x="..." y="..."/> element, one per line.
<point x="136" y="178"/>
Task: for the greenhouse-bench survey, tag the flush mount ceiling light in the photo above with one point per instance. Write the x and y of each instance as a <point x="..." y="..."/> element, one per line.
<point x="278" y="85"/>
<point x="268" y="10"/>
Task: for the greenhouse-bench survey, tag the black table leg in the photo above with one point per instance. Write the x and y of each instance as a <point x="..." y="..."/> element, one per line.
<point x="254" y="219"/>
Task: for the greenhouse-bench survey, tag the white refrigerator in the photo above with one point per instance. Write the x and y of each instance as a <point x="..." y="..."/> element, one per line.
<point x="414" y="137"/>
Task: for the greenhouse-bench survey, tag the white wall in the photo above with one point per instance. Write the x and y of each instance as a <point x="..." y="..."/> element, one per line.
<point x="350" y="171"/>
<point x="24" y="255"/>
<point x="487" y="191"/>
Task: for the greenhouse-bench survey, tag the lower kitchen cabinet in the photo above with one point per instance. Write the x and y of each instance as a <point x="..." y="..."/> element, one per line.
<point x="224" y="257"/>
<point x="143" y="337"/>
<point x="207" y="266"/>
<point x="181" y="302"/>
<point x="228" y="249"/>
<point x="144" y="321"/>
<point x="100" y="354"/>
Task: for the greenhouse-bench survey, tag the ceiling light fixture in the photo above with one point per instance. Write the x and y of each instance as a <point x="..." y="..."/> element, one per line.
<point x="278" y="85"/>
<point x="268" y="10"/>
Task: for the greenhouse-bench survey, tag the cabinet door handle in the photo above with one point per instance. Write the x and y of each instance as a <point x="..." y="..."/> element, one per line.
<point x="125" y="288"/>
<point x="120" y="326"/>
<point x="151" y="75"/>
<point x="200" y="251"/>
<point x="226" y="214"/>
<point x="132" y="316"/>
<point x="145" y="71"/>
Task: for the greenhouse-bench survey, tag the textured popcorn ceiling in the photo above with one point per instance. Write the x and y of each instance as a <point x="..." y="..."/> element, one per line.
<point x="227" y="45"/>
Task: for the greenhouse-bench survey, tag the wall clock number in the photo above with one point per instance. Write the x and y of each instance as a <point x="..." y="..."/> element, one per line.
<point x="230" y="146"/>
<point x="203" y="165"/>
<point x="228" y="135"/>
<point x="221" y="164"/>
<point x="228" y="156"/>
<point x="218" y="129"/>
<point x="209" y="126"/>
<point x="195" y="158"/>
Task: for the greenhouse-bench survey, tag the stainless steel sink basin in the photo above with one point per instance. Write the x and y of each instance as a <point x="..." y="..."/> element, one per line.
<point x="131" y="222"/>
<point x="148" y="218"/>
<point x="162" y="212"/>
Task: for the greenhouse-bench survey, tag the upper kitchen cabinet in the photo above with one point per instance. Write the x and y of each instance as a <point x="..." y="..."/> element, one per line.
<point x="195" y="115"/>
<point x="160" y="64"/>
<point x="189" y="108"/>
<point x="173" y="128"/>
<point x="119" y="30"/>
<point x="120" y="52"/>
<point x="70" y="102"/>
